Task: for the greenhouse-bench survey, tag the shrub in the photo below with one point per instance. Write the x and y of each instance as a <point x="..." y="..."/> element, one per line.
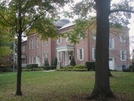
<point x="5" y="69"/>
<point x="73" y="68"/>
<point x="31" y="66"/>
<point x="130" y="69"/>
<point x="54" y="63"/>
<point x="46" y="63"/>
<point x="72" y="62"/>
<point x="90" y="65"/>
<point x="47" y="67"/>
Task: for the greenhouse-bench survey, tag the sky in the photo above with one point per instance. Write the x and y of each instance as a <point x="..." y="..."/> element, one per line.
<point x="130" y="26"/>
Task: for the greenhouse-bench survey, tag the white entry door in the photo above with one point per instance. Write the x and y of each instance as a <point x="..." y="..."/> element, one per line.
<point x="111" y="64"/>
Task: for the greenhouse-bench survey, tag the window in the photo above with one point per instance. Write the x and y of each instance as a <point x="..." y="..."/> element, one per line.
<point x="93" y="32"/>
<point x="32" y="59"/>
<point x="43" y="58"/>
<point x="59" y="40"/>
<point x="46" y="42"/>
<point x="29" y="59"/>
<point x="80" y="54"/>
<point x="122" y="38"/>
<point x="111" y="43"/>
<point x="59" y="55"/>
<point x="67" y="39"/>
<point x="46" y="55"/>
<point x="37" y="42"/>
<point x="80" y="37"/>
<point x="32" y="43"/>
<point x="122" y="55"/>
<point x="43" y="43"/>
<point x="29" y="44"/>
<point x="93" y="53"/>
<point x="23" y="48"/>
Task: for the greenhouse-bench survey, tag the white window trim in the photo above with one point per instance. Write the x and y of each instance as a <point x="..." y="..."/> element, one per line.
<point x="78" y="54"/>
<point x="32" y="43"/>
<point x="93" y="53"/>
<point x="59" y="39"/>
<point x="59" y="53"/>
<point x="112" y="47"/>
<point x="43" y="58"/>
<point x="125" y="57"/>
<point x="121" y="38"/>
<point x="32" y="59"/>
<point x="47" y="55"/>
<point x="46" y="42"/>
<point x="29" y="44"/>
<point x="37" y="42"/>
<point x="43" y="43"/>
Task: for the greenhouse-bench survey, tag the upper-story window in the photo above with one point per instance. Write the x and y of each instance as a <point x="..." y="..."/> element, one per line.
<point x="59" y="40"/>
<point x="46" y="42"/>
<point x="122" y="38"/>
<point x="111" y="43"/>
<point x="23" y="48"/>
<point x="29" y="44"/>
<point x="122" y="55"/>
<point x="80" y="54"/>
<point x="43" y="43"/>
<point x="37" y="42"/>
<point x="93" y="33"/>
<point x="93" y="53"/>
<point x="32" y="44"/>
<point x="80" y="37"/>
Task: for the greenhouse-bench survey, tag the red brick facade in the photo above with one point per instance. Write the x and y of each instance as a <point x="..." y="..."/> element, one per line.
<point x="37" y="51"/>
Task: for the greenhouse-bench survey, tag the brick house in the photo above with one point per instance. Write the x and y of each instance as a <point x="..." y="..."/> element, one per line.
<point x="36" y="50"/>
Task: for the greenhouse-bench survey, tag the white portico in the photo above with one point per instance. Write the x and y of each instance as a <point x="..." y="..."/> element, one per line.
<point x="64" y="54"/>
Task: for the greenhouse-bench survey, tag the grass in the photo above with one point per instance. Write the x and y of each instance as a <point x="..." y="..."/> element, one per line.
<point x="61" y="86"/>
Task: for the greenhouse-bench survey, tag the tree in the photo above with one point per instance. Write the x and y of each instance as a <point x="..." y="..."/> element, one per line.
<point x="104" y="15"/>
<point x="29" y="16"/>
<point x="72" y="62"/>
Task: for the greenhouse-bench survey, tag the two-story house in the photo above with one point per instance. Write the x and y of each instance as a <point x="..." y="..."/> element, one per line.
<point x="37" y="50"/>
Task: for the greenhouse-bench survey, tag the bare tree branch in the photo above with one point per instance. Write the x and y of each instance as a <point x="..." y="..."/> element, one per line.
<point x="5" y="19"/>
<point x="121" y="10"/>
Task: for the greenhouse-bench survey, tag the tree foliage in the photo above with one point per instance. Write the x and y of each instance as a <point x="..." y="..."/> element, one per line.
<point x="106" y="11"/>
<point x="29" y="16"/>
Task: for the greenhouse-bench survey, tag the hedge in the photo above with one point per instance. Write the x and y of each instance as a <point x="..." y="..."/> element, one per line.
<point x="90" y="65"/>
<point x="31" y="66"/>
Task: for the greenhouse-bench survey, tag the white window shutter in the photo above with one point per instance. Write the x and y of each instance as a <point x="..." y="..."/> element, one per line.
<point x="78" y="53"/>
<point x="61" y="56"/>
<point x="121" y="55"/>
<point x="82" y="54"/>
<point x="113" y="43"/>
<point x="93" y="53"/>
<point x="125" y="55"/>
<point x="60" y="40"/>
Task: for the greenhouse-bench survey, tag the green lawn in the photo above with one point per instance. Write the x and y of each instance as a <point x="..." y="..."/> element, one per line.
<point x="61" y="86"/>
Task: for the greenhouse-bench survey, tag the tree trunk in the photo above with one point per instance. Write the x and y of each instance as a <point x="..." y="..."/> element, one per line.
<point x="18" y="91"/>
<point x="102" y="84"/>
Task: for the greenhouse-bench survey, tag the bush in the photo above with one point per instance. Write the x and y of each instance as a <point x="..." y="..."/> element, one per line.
<point x="47" y="67"/>
<point x="90" y="65"/>
<point x="130" y="69"/>
<point x="5" y="69"/>
<point x="73" y="68"/>
<point x="72" y="62"/>
<point x="31" y="66"/>
<point x="46" y="63"/>
<point x="54" y="63"/>
<point x="33" y="69"/>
